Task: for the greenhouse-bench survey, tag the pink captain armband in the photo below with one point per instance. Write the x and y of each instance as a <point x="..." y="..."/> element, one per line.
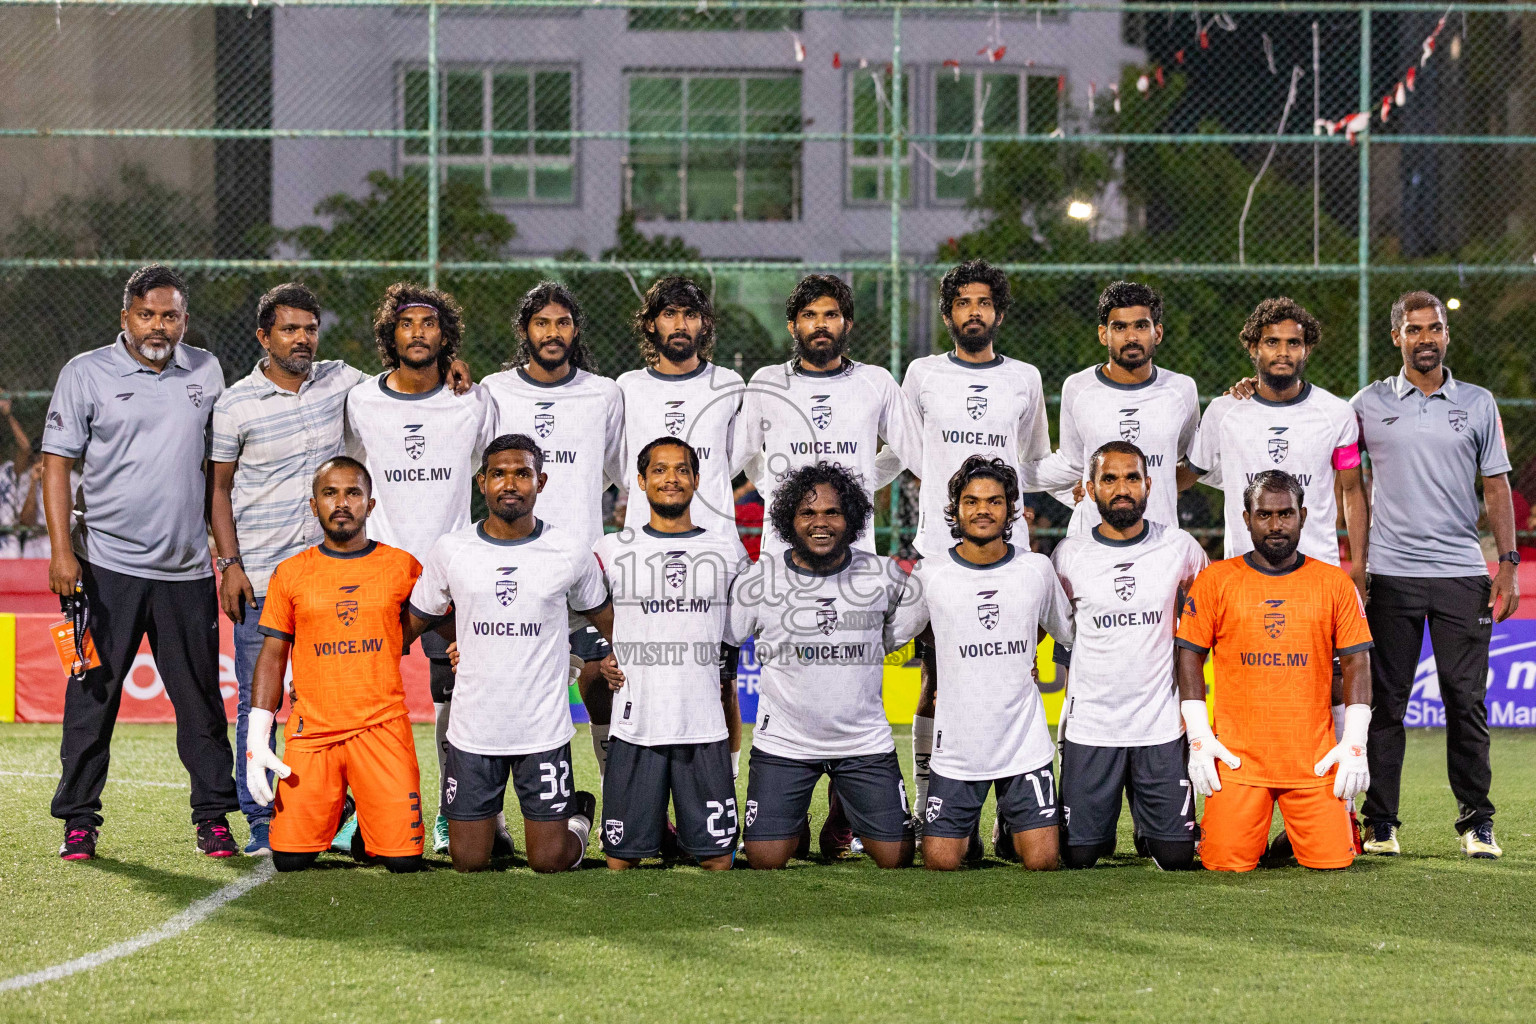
<point x="1347" y="456"/>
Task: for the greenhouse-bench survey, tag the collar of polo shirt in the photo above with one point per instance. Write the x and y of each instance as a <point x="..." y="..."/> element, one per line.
<point x="1447" y="390"/>
<point x="130" y="365"/>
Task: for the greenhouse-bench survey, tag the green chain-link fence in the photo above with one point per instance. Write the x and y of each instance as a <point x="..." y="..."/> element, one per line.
<point x="484" y="145"/>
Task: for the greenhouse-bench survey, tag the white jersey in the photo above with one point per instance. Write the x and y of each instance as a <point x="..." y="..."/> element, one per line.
<point x="794" y="417"/>
<point x="509" y="602"/>
<point x="422" y="452"/>
<point x="1159" y="416"/>
<point x="671" y="594"/>
<point x="1306" y="437"/>
<point x="698" y="407"/>
<point x="990" y="720"/>
<point x="579" y="421"/>
<point x="821" y="642"/>
<point x="996" y="408"/>
<point x="1126" y="597"/>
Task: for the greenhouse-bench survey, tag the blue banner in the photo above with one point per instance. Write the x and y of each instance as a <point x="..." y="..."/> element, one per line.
<point x="1511" y="693"/>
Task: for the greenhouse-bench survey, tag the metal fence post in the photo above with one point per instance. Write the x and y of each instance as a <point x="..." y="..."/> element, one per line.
<point x="1363" y="253"/>
<point x="898" y="135"/>
<point x="434" y="183"/>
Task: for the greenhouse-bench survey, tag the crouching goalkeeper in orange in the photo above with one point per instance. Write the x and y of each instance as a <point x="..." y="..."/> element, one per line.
<point x="1275" y="620"/>
<point x="337" y="611"/>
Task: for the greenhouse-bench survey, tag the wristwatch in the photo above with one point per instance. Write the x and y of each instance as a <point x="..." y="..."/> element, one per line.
<point x="1512" y="557"/>
<point x="225" y="563"/>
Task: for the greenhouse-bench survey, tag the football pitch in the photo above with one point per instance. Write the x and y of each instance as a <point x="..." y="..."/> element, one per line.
<point x="1427" y="936"/>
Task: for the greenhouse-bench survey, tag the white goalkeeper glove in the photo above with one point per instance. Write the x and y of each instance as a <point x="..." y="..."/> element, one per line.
<point x="1354" y="774"/>
<point x="1204" y="749"/>
<point x="259" y="758"/>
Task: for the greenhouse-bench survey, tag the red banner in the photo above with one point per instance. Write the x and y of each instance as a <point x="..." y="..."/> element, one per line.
<point x="40" y="680"/>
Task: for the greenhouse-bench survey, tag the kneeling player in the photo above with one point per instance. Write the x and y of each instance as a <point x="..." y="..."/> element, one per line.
<point x="986" y="601"/>
<point x="1121" y="734"/>
<point x="507" y="583"/>
<point x="1275" y="619"/>
<point x="820" y="611"/>
<point x="337" y="610"/>
<point x="670" y="581"/>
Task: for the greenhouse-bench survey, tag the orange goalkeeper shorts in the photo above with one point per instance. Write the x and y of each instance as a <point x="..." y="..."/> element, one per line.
<point x="379" y="764"/>
<point x="1234" y="830"/>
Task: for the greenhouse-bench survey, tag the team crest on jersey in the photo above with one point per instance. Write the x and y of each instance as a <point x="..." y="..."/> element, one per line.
<point x="1125" y="585"/>
<point x="1458" y="418"/>
<point x="751" y="813"/>
<point x="676" y="571"/>
<point x="1274" y="624"/>
<point x="613" y="831"/>
<point x="987" y="611"/>
<point x="544" y="420"/>
<point x="826" y="615"/>
<point x="195" y="393"/>
<point x="1130" y="429"/>
<point x="415" y="444"/>
<point x="935" y="805"/>
<point x="675" y="419"/>
<point x="346" y="611"/>
<point x="976" y="402"/>
<point x="1278" y="447"/>
<point x="506" y="587"/>
<point x="821" y="414"/>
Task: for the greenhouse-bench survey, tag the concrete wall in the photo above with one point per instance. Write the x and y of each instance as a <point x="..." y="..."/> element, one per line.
<point x="100" y="68"/>
<point x="338" y="68"/>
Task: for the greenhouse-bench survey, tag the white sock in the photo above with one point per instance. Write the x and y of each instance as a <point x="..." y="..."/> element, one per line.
<point x="501" y="822"/>
<point x="735" y="765"/>
<point x="442" y="711"/>
<point x="600" y="748"/>
<point x="922" y="752"/>
<point x="581" y="827"/>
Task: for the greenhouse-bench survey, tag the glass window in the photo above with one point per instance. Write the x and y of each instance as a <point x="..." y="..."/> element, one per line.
<point x="869" y="160"/>
<point x="983" y="103"/>
<point x="714" y="179"/>
<point x="484" y="100"/>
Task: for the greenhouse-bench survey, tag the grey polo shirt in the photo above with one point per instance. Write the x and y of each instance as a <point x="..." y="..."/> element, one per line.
<point x="1427" y="452"/>
<point x="142" y="438"/>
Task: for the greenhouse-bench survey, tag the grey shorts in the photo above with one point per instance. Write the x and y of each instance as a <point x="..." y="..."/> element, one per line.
<point x="476" y="784"/>
<point x="637" y="783"/>
<point x="871" y="787"/>
<point x="1154" y="778"/>
<point x="1024" y="802"/>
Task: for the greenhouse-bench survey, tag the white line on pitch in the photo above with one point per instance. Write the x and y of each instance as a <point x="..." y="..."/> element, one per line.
<point x="125" y="782"/>
<point x="192" y="916"/>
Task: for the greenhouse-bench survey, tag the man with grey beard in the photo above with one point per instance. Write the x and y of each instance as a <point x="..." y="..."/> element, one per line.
<point x="132" y="544"/>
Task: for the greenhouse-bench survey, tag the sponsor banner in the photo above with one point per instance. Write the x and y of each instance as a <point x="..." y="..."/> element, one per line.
<point x="40" y="680"/>
<point x="1511" y="695"/>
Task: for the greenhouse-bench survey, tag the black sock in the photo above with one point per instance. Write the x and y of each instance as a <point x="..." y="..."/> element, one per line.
<point x="1172" y="854"/>
<point x="293" y="861"/>
<point x="1086" y="856"/>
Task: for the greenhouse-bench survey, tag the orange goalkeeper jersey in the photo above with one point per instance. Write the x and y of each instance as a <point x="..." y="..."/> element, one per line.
<point x="341" y="613"/>
<point x="1273" y="638"/>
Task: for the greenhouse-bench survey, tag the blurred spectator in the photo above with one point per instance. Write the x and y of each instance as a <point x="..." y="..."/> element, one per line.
<point x="14" y="482"/>
<point x="749" y="513"/>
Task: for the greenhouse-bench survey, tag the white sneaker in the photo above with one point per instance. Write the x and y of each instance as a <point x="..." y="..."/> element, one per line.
<point x="1479" y="843"/>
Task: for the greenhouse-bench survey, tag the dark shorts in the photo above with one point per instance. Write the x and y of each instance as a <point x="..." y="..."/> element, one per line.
<point x="476" y="784"/>
<point x="873" y="793"/>
<point x="434" y="646"/>
<point x="1024" y="802"/>
<point x="588" y="644"/>
<point x="637" y="783"/>
<point x="1154" y="778"/>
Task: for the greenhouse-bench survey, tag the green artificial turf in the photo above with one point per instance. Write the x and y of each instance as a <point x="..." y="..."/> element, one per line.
<point x="1427" y="936"/>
